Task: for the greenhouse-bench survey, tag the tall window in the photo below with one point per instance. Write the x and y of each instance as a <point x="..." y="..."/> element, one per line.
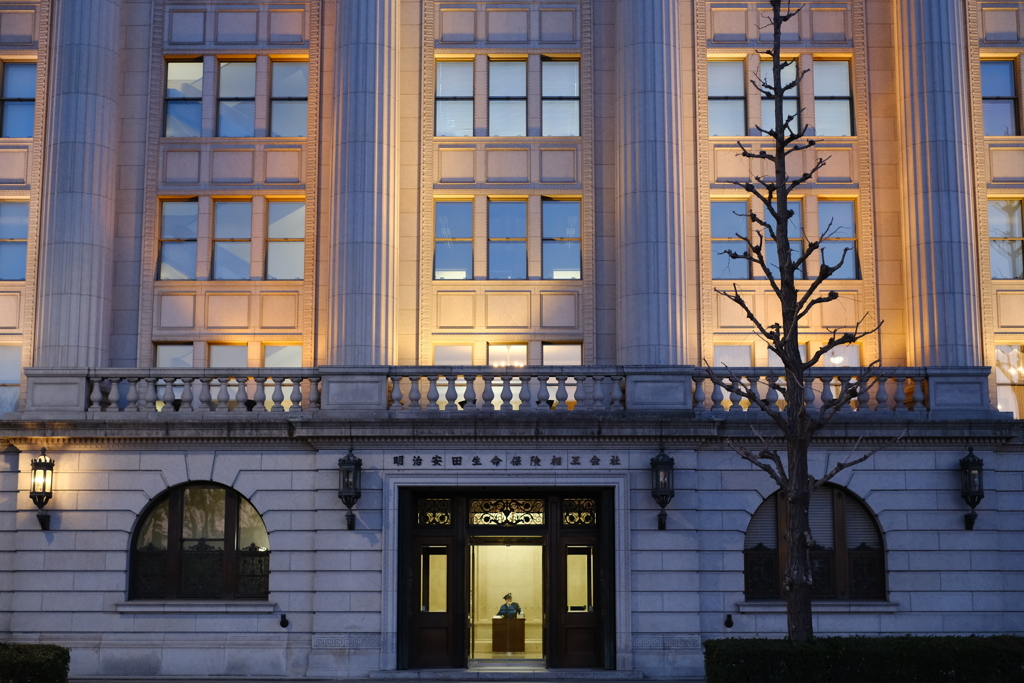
<point x="289" y="99"/>
<point x="560" y="246"/>
<point x="453" y="241"/>
<point x="999" y="97"/>
<point x="183" y="103"/>
<point x="286" y="232"/>
<point x="727" y="100"/>
<point x="179" y="228"/>
<point x="790" y="98"/>
<point x="506" y="240"/>
<point x="1009" y="372"/>
<point x="833" y="102"/>
<point x="453" y="105"/>
<point x="232" y="235"/>
<point x="13" y="240"/>
<point x="796" y="239"/>
<point x="847" y="560"/>
<point x="10" y="377"/>
<point x="837" y="227"/>
<point x="507" y="99"/>
<point x="560" y="98"/>
<point x="236" y="100"/>
<point x="18" y="104"/>
<point x="200" y="540"/>
<point x="729" y="223"/>
<point x="1006" y="239"/>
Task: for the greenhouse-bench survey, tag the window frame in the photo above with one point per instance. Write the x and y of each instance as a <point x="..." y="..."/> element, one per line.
<point x="215" y="240"/>
<point x="836" y="98"/>
<point x="545" y="240"/>
<point x="791" y="95"/>
<point x="1014" y="98"/>
<point x="1017" y="260"/>
<point x="471" y="98"/>
<point x="268" y="241"/>
<point x="718" y="242"/>
<point x="491" y="99"/>
<point x="544" y="99"/>
<point x="163" y="240"/>
<point x="4" y="100"/>
<point x="524" y="240"/>
<point x="18" y="240"/>
<point x="273" y="99"/>
<point x="442" y="241"/>
<point x="194" y="100"/>
<point x="741" y="97"/>
<point x="221" y="99"/>
<point x="854" y="241"/>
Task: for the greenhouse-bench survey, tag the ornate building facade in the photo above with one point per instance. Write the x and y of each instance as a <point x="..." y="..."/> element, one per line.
<point x="475" y="245"/>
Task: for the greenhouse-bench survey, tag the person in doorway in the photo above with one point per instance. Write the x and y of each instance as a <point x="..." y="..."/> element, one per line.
<point x="510" y="610"/>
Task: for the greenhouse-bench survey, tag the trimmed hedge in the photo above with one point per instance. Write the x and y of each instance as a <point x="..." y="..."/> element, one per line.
<point x="21" y="663"/>
<point x="858" y="659"/>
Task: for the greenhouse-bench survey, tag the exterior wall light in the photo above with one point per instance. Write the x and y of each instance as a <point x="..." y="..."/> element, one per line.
<point x="972" y="485"/>
<point x="41" y="486"/>
<point x="662" y="483"/>
<point x="350" y="488"/>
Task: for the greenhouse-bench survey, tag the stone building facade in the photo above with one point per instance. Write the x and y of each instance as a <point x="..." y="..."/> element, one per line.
<point x="474" y="243"/>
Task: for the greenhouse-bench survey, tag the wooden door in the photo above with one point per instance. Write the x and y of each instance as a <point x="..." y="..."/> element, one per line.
<point x="578" y="603"/>
<point x="433" y="628"/>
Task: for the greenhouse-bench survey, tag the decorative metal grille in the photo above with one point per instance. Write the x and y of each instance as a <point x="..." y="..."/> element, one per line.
<point x="202" y="571"/>
<point x="823" y="562"/>
<point x="579" y="511"/>
<point x="253" y="572"/>
<point x="434" y="511"/>
<point x="507" y="512"/>
<point x="866" y="572"/>
<point x="150" y="568"/>
<point x="760" y="567"/>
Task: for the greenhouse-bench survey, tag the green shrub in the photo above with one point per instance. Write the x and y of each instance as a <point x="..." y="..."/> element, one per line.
<point x="906" y="659"/>
<point x="34" y="663"/>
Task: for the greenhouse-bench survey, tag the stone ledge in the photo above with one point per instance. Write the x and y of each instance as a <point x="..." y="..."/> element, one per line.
<point x="823" y="607"/>
<point x="195" y="607"/>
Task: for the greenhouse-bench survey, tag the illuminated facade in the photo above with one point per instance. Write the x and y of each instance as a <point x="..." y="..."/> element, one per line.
<point x="476" y="244"/>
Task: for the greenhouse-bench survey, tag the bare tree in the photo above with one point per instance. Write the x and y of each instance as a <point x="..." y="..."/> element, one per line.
<point x="770" y="252"/>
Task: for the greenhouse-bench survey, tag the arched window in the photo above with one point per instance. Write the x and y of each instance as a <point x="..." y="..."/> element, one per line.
<point x="847" y="560"/>
<point x="200" y="541"/>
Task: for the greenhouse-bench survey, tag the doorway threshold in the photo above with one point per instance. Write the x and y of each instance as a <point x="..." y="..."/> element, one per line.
<point x="510" y="675"/>
<point x="507" y="665"/>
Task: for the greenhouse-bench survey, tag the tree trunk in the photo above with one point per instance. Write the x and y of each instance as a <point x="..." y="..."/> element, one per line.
<point x="797" y="582"/>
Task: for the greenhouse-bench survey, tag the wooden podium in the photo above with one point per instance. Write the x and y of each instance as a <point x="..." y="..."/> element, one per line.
<point x="508" y="635"/>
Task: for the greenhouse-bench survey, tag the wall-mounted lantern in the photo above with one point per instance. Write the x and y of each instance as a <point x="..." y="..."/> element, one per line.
<point x="662" y="483"/>
<point x="41" y="486"/>
<point x="972" y="485"/>
<point x="350" y="488"/>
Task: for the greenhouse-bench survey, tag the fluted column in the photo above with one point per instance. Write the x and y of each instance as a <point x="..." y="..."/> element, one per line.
<point x="77" y="224"/>
<point x="944" y="318"/>
<point x="651" y="306"/>
<point x="361" y="296"/>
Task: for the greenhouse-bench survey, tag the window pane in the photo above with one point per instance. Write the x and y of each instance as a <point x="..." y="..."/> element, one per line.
<point x="455" y="79"/>
<point x="238" y="79"/>
<point x="453" y="355"/>
<point x="453" y="220"/>
<point x="832" y="117"/>
<point x="233" y="220"/>
<point x="507" y="118"/>
<point x="795" y="221"/>
<point x="19" y="118"/>
<point x="236" y="120"/>
<point x="733" y="356"/>
<point x="845" y="356"/>
<point x="725" y="79"/>
<point x="228" y="356"/>
<point x="1006" y="259"/>
<point x="837" y="219"/>
<point x="202" y="514"/>
<point x="507" y="79"/>
<point x="579" y="579"/>
<point x="20" y="81"/>
<point x="290" y="79"/>
<point x="285" y="260"/>
<point x="180" y="220"/>
<point x="562" y="354"/>
<point x="560" y="79"/>
<point x="506" y="220"/>
<point x="727" y="117"/>
<point x="184" y="79"/>
<point x="831" y="79"/>
<point x="288" y="119"/>
<point x="561" y="219"/>
<point x="788" y="76"/>
<point x="177" y="261"/>
<point x="454" y="119"/>
<point x="173" y="355"/>
<point x="560" y="118"/>
<point x="1000" y="117"/>
<point x="231" y="260"/>
<point x="561" y="260"/>
<point x="997" y="79"/>
<point x="453" y="260"/>
<point x="434" y="577"/>
<point x="789" y="108"/>
<point x="154" y="529"/>
<point x="506" y="355"/>
<point x="282" y="356"/>
<point x="507" y="260"/>
<point x="832" y="251"/>
<point x="1004" y="219"/>
<point x="723" y="266"/>
<point x="728" y="219"/>
<point x="286" y="220"/>
<point x="12" y="260"/>
<point x="184" y="119"/>
<point x="251" y="530"/>
<point x="13" y="220"/>
<point x="10" y="363"/>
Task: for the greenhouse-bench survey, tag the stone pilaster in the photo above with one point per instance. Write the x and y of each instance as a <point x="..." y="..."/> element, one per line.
<point x="361" y="294"/>
<point x="651" y="306"/>
<point x="77" y="226"/>
<point x="943" y="311"/>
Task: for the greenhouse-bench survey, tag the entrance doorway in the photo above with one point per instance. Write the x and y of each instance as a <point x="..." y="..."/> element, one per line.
<point x="498" y="575"/>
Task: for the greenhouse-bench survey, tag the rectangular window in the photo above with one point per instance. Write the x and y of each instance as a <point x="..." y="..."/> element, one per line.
<point x="560" y="98"/>
<point x="453" y="355"/>
<point x="1009" y="372"/>
<point x="282" y="356"/>
<point x="506" y="240"/>
<point x="560" y="246"/>
<point x="507" y="99"/>
<point x="236" y="100"/>
<point x="790" y="98"/>
<point x="183" y="103"/>
<point x="228" y="356"/>
<point x="733" y="356"/>
<point x="10" y="377"/>
<point x="173" y="356"/>
<point x="999" y="97"/>
<point x="18" y="104"/>
<point x="453" y="241"/>
<point x="289" y="99"/>
<point x="453" y="102"/>
<point x="562" y="354"/>
<point x="837" y="230"/>
<point x="286" y="232"/>
<point x="179" y="228"/>
<point x="13" y="240"/>
<point x="796" y="239"/>
<point x="232" y="233"/>
<point x="845" y="356"/>
<point x="506" y="355"/>
<point x="1006" y="239"/>
<point x="833" y="101"/>
<point x="727" y="99"/>
<point x="729" y="224"/>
